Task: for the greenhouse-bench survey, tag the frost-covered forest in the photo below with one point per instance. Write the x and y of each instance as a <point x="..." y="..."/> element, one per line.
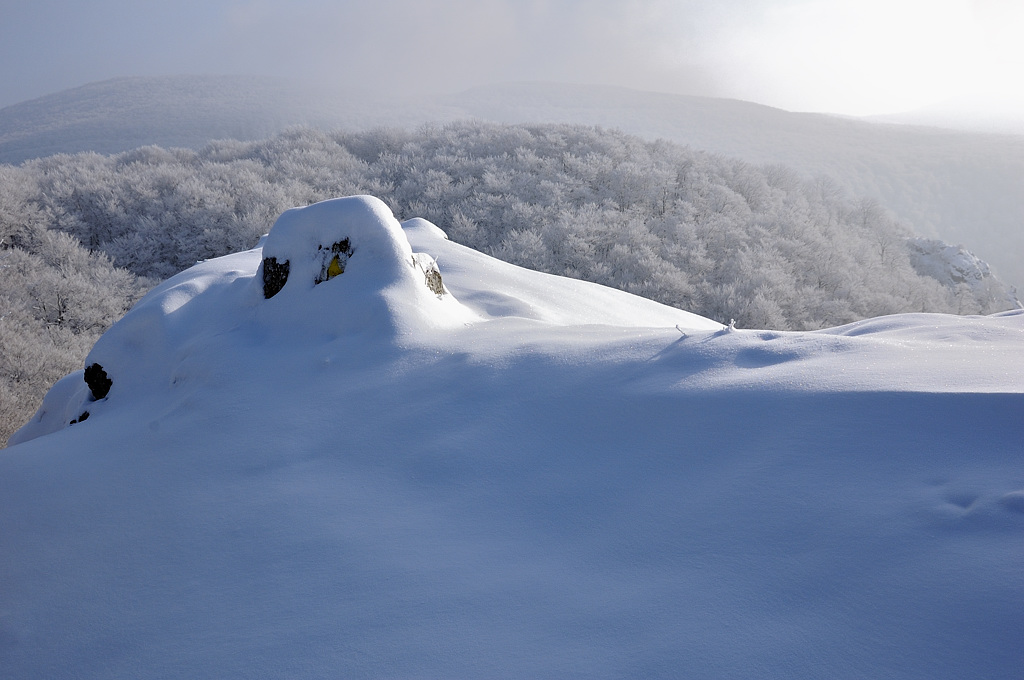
<point x="83" y="236"/>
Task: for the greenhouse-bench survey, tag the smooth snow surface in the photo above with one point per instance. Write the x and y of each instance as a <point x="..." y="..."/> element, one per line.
<point x="524" y="476"/>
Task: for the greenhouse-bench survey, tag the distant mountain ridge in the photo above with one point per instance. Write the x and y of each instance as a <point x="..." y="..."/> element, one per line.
<point x="1003" y="114"/>
<point x="170" y="111"/>
<point x="961" y="187"/>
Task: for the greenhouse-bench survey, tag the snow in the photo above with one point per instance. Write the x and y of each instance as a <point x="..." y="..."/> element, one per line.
<point x="525" y="476"/>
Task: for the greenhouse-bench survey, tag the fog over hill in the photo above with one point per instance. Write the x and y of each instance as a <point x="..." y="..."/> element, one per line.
<point x="1002" y="114"/>
<point x="961" y="187"/>
<point x="185" y="111"/>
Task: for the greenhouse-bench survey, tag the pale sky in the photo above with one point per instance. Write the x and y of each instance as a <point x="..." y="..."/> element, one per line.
<point x="854" y="57"/>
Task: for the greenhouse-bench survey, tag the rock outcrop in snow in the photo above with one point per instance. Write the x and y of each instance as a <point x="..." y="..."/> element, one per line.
<point x="958" y="268"/>
<point x="312" y="245"/>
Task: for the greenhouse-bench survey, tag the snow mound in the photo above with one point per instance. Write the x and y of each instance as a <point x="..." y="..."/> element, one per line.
<point x="357" y="246"/>
<point x="342" y="268"/>
<point x="382" y="289"/>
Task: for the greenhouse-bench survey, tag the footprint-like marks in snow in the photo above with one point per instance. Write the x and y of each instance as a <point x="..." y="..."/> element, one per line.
<point x="961" y="499"/>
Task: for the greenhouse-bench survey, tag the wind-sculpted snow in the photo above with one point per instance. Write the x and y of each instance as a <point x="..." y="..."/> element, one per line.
<point x="524" y="476"/>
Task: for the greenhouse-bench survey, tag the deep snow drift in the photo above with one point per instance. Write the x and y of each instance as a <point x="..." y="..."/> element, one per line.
<point x="371" y="473"/>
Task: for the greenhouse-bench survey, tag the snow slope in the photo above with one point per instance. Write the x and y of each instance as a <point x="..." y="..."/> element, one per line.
<point x="521" y="476"/>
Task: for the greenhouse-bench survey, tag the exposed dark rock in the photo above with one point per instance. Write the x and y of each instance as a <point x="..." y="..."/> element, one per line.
<point x="81" y="418"/>
<point x="333" y="260"/>
<point x="97" y="380"/>
<point x="433" y="277"/>
<point x="431" y="274"/>
<point x="275" y="275"/>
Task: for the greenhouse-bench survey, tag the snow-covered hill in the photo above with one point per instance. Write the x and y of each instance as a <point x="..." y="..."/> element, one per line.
<point x="435" y="464"/>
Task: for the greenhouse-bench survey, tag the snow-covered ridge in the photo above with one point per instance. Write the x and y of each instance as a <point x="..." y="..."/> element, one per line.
<point x="384" y="296"/>
<point x="509" y="474"/>
<point x="384" y="292"/>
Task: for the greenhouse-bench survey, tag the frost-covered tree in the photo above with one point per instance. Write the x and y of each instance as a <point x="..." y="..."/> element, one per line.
<point x="54" y="304"/>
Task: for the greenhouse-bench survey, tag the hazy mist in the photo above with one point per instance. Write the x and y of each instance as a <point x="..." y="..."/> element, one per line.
<point x="856" y="57"/>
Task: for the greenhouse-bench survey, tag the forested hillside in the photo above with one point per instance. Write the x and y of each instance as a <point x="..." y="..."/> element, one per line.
<point x="956" y="186"/>
<point x="83" y="235"/>
<point x="963" y="188"/>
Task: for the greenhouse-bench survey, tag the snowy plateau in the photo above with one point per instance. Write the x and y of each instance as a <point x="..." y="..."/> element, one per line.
<point x="433" y="464"/>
